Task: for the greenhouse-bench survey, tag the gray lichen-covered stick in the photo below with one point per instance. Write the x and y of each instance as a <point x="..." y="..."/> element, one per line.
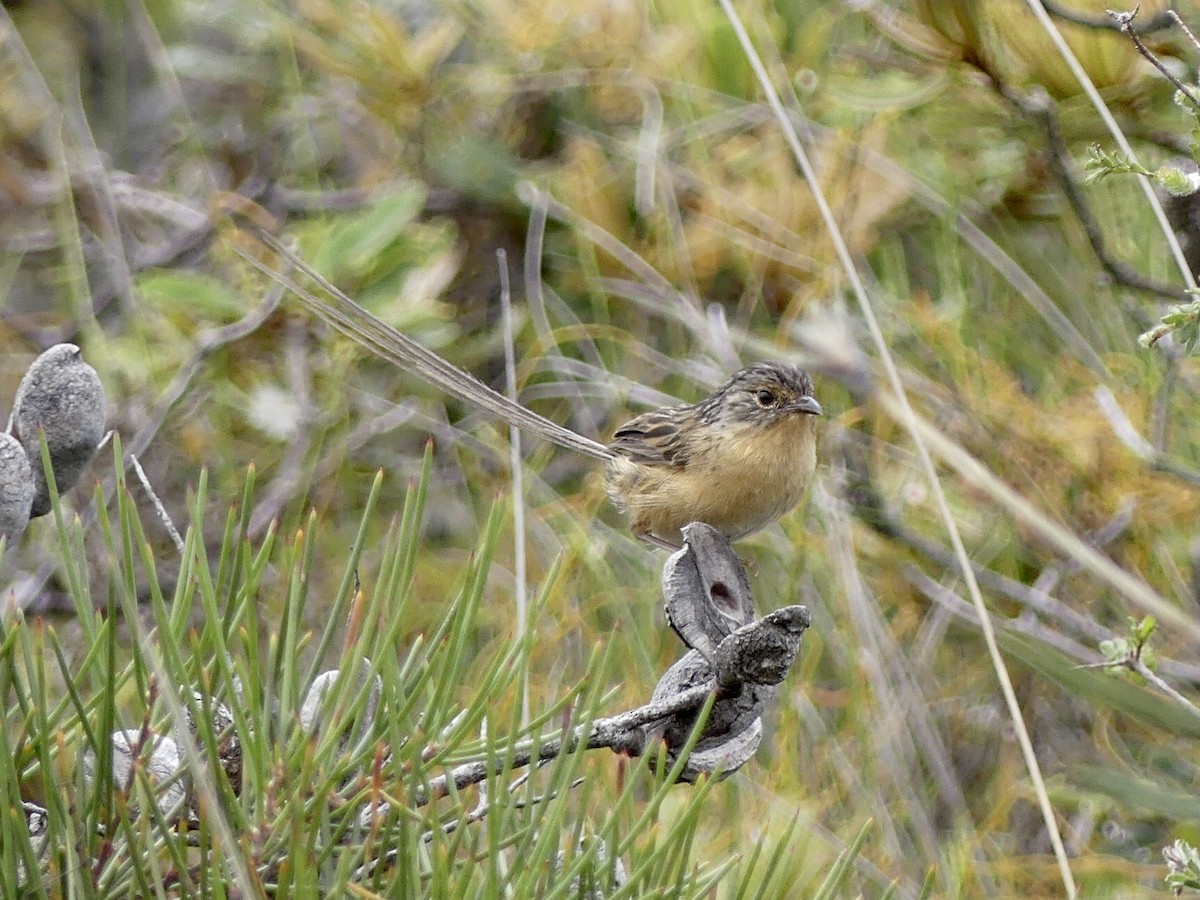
<point x="742" y="662"/>
<point x="711" y="608"/>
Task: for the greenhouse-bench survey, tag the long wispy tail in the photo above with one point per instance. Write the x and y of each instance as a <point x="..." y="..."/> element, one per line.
<point x="388" y="344"/>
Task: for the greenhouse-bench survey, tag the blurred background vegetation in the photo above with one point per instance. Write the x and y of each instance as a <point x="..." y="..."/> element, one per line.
<point x="658" y="232"/>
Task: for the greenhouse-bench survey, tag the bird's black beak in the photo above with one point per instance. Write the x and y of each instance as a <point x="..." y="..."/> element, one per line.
<point x="808" y="405"/>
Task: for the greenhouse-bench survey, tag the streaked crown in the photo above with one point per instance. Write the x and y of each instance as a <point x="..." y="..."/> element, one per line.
<point x="763" y="392"/>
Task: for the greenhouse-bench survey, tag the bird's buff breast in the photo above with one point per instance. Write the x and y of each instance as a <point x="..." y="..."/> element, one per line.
<point x="741" y="482"/>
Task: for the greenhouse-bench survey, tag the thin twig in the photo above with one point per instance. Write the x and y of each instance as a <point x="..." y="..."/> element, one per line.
<point x="1110" y="123"/>
<point x="1174" y="17"/>
<point x="1026" y="625"/>
<point x="477" y="813"/>
<point x="1124" y="23"/>
<point x="1161" y="22"/>
<point x="1129" y="436"/>
<point x="609" y="732"/>
<point x="516" y="471"/>
<point x="1134" y="663"/>
<point x="289" y="475"/>
<point x="206" y="345"/>
<point x="1039" y="108"/>
<point x="616" y="732"/>
<point x="163" y="515"/>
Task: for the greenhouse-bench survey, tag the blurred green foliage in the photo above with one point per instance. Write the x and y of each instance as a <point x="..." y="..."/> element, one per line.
<point x="396" y="142"/>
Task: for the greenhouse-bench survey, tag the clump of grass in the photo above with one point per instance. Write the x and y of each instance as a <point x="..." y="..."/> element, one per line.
<point x="257" y="757"/>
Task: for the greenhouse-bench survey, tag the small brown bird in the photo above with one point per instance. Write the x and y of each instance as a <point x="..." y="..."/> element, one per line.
<point x="737" y="460"/>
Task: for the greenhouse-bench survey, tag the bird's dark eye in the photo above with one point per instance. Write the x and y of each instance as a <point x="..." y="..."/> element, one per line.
<point x="765" y="398"/>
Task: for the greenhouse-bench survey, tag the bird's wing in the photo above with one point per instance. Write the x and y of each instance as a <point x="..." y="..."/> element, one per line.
<point x="652" y="439"/>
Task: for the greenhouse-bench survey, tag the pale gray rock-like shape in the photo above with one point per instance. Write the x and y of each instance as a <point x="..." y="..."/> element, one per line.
<point x="161" y="760"/>
<point x="37" y="820"/>
<point x="16" y="488"/>
<point x="62" y="396"/>
<point x="229" y="746"/>
<point x="314" y="710"/>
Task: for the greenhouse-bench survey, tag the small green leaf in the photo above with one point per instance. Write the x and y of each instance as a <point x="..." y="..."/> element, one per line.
<point x="1101" y="163"/>
<point x="1184" y="320"/>
<point x="360" y="242"/>
<point x="1143" y="629"/>
<point x="1188" y="334"/>
<point x="198" y="295"/>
